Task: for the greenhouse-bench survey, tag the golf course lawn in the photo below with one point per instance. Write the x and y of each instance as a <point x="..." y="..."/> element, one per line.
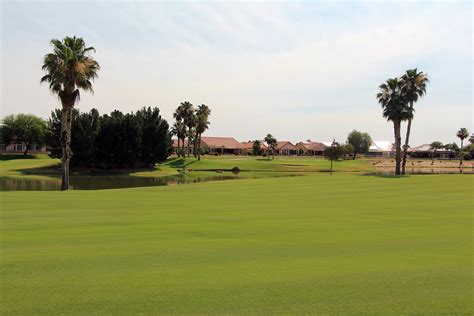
<point x="322" y="244"/>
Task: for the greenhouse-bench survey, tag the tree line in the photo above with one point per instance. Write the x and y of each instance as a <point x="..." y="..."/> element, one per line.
<point x="114" y="140"/>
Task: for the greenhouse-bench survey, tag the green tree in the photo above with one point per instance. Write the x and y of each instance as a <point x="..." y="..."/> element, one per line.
<point x="256" y="147"/>
<point x="334" y="152"/>
<point x="272" y="144"/>
<point x="434" y="147"/>
<point x="24" y="129"/>
<point x="394" y="109"/>
<point x="360" y="142"/>
<point x="69" y="68"/>
<point x="413" y="87"/>
<point x="462" y="134"/>
<point x="202" y="124"/>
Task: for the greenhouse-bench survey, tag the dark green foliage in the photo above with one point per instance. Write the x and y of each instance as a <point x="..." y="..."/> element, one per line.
<point x="117" y="140"/>
<point x="256" y="148"/>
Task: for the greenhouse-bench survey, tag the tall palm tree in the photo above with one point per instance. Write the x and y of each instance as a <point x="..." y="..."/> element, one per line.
<point x="69" y="68"/>
<point x="394" y="109"/>
<point x="202" y="124"/>
<point x="462" y="134"/>
<point x="187" y="113"/>
<point x="413" y="87"/>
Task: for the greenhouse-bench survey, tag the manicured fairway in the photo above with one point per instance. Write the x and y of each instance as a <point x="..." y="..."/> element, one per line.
<point x="321" y="244"/>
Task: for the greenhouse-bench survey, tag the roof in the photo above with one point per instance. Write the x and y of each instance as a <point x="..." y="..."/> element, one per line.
<point x="315" y="146"/>
<point x="249" y="145"/>
<point x="327" y="144"/>
<point x="283" y="143"/>
<point x="175" y="142"/>
<point x="381" y="145"/>
<point x="221" y="142"/>
<point x="425" y="147"/>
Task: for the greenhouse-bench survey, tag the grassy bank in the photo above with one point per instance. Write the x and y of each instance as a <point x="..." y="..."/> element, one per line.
<point x="341" y="243"/>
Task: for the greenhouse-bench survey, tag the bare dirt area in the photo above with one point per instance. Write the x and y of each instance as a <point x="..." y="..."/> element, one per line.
<point x="425" y="165"/>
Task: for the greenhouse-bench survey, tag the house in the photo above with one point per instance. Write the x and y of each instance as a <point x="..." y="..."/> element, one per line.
<point x="311" y="148"/>
<point x="248" y="147"/>
<point x="222" y="145"/>
<point x="425" y="151"/>
<point x="20" y="148"/>
<point x="381" y="149"/>
<point x="175" y="145"/>
<point x="286" y="148"/>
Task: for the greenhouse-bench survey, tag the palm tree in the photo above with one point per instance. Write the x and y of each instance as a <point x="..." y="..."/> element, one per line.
<point x="179" y="129"/>
<point x="187" y="114"/>
<point x="394" y="109"/>
<point x="202" y="124"/>
<point x="462" y="134"/>
<point x="434" y="147"/>
<point x="413" y="87"/>
<point x="69" y="68"/>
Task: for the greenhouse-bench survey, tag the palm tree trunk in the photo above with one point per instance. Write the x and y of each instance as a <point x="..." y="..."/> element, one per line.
<point x="354" y="157"/>
<point x="461" y="153"/>
<point x="189" y="140"/>
<point x="177" y="148"/>
<point x="398" y="141"/>
<point x="27" y="145"/>
<point x="407" y="138"/>
<point x="66" y="124"/>
<point x="199" y="147"/>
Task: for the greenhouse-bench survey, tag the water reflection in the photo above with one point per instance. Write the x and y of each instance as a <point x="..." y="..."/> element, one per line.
<point x="103" y="182"/>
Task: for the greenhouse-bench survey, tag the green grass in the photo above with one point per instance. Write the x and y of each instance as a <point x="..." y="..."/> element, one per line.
<point x="321" y="244"/>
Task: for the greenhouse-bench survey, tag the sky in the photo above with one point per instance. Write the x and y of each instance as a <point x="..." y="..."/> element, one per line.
<point x="299" y="70"/>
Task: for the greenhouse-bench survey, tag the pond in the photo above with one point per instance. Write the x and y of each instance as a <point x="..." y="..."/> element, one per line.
<point x="100" y="182"/>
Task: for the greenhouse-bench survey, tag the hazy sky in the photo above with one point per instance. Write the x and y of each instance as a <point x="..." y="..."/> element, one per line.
<point x="297" y="69"/>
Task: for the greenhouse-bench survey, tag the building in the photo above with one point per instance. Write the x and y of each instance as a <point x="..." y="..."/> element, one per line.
<point x="286" y="148"/>
<point x="425" y="151"/>
<point x="311" y="148"/>
<point x="21" y="148"/>
<point x="381" y="149"/>
<point x="248" y="147"/>
<point x="222" y="145"/>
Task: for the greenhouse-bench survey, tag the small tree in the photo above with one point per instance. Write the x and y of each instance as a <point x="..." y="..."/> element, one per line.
<point x="333" y="152"/>
<point x="360" y="141"/>
<point x="272" y="144"/>
<point x="434" y="147"/>
<point x="348" y="150"/>
<point x="256" y="148"/>
<point x="462" y="134"/>
<point x="452" y="147"/>
<point x="24" y="129"/>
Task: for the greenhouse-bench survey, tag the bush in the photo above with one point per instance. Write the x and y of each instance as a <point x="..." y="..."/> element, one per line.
<point x="467" y="156"/>
<point x="235" y="170"/>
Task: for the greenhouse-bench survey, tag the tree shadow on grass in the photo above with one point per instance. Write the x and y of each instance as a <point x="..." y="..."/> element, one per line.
<point x="389" y="175"/>
<point x="7" y="157"/>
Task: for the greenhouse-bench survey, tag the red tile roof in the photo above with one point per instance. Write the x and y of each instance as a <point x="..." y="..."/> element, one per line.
<point x="221" y="142"/>
<point x="249" y="145"/>
<point x="282" y="143"/>
<point x="175" y="143"/>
